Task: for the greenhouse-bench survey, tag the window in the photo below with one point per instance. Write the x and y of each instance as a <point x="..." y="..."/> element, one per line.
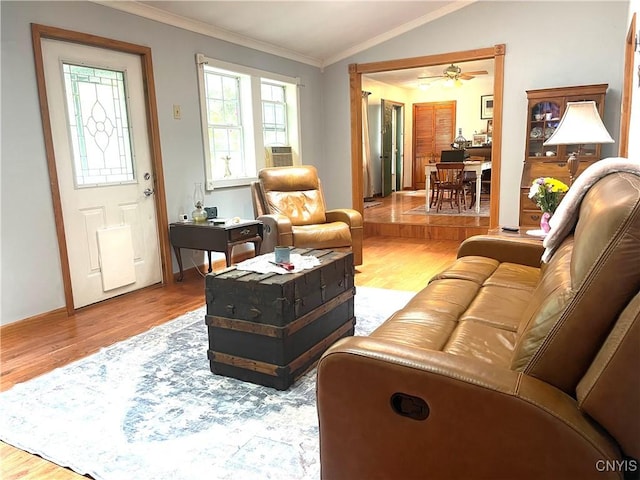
<point x="274" y="114"/>
<point x="243" y="111"/>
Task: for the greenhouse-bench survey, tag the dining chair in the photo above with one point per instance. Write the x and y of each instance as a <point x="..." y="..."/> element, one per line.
<point x="450" y="180"/>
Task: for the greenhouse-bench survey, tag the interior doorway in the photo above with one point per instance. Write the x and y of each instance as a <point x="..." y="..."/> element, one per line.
<point x="392" y="146"/>
<point x="356" y="71"/>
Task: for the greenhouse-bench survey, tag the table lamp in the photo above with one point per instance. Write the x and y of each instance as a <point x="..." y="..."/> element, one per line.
<point x="580" y="124"/>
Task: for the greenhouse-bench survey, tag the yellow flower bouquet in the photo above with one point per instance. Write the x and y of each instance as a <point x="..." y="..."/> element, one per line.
<point x="547" y="192"/>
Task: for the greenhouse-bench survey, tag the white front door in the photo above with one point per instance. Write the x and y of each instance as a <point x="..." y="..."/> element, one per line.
<point x="104" y="168"/>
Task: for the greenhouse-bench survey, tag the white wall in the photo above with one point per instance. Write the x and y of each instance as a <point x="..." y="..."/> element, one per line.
<point x="30" y="264"/>
<point x="581" y="43"/>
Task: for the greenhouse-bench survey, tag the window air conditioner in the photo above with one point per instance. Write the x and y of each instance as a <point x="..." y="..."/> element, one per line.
<point x="279" y="157"/>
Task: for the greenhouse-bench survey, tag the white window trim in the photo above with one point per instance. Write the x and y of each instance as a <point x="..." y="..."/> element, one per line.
<point x="257" y="153"/>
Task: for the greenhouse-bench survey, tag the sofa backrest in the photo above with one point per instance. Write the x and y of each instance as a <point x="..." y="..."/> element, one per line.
<point x="295" y="192"/>
<point x="588" y="282"/>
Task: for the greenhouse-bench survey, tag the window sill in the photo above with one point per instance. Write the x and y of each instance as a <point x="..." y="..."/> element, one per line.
<point x="233" y="182"/>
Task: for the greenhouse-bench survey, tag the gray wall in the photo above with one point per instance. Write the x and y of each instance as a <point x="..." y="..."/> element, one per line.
<point x="30" y="264"/>
<point x="548" y="44"/>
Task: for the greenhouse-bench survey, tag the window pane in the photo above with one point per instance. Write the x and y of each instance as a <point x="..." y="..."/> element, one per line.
<point x="230" y="88"/>
<point x="99" y="126"/>
<point x="274" y="114"/>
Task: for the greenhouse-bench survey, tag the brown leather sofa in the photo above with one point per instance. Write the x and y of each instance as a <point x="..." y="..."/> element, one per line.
<point x="501" y="368"/>
<point x="290" y="203"/>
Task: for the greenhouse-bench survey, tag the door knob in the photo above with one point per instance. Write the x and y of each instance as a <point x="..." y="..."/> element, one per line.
<point x="148" y="192"/>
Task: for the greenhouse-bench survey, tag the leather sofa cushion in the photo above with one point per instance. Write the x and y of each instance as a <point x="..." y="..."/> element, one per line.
<point x="466" y="310"/>
<point x="323" y="235"/>
<point x="482" y="341"/>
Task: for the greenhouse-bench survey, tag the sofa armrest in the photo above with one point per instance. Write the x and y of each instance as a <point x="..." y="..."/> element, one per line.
<point x="353" y="218"/>
<point x="276" y="230"/>
<point x="504" y="249"/>
<point x="483" y="421"/>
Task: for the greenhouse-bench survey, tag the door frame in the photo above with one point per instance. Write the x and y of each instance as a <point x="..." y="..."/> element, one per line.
<point x="398" y="116"/>
<point x="356" y="70"/>
<point x="627" y="89"/>
<point x="38" y="32"/>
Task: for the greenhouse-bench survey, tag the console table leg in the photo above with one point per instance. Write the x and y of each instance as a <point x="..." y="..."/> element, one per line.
<point x="209" y="257"/>
<point x="179" y="259"/>
<point x="227" y="254"/>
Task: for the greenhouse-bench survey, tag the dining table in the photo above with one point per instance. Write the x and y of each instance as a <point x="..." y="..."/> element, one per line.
<point x="469" y="166"/>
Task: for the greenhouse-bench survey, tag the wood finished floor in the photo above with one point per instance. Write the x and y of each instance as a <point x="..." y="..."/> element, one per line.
<point x="33" y="347"/>
<point x="389" y="219"/>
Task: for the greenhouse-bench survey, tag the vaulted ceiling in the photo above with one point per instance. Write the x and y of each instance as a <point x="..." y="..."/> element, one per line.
<point x="316" y="32"/>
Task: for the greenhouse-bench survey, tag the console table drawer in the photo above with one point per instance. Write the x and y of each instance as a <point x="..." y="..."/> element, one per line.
<point x="249" y="231"/>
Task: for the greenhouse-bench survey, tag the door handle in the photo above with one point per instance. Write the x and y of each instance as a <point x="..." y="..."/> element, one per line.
<point x="148" y="192"/>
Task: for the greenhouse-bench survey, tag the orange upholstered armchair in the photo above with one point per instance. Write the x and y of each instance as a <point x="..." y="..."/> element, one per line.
<point x="290" y="204"/>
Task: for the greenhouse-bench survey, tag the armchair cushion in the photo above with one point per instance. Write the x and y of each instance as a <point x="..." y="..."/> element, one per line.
<point x="323" y="235"/>
<point x="295" y="193"/>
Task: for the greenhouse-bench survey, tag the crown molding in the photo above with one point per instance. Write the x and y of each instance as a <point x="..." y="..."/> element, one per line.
<point x="152" y="13"/>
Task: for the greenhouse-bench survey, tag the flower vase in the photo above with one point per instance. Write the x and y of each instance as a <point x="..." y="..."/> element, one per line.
<point x="544" y="222"/>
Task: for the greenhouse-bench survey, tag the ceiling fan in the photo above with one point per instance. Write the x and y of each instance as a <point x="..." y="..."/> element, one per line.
<point x="453" y="74"/>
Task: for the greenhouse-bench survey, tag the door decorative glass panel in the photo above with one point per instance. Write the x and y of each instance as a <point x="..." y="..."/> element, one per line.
<point x="99" y="125"/>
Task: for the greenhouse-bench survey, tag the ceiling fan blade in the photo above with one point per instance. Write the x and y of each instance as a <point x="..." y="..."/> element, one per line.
<point x="466" y="76"/>
<point x="478" y="72"/>
<point x="430" y="76"/>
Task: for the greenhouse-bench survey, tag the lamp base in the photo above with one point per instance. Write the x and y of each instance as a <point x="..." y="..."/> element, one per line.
<point x="572" y="164"/>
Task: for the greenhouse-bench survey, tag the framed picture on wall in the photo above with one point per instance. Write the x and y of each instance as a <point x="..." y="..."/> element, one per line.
<point x="486" y="107"/>
<point x="479" y="139"/>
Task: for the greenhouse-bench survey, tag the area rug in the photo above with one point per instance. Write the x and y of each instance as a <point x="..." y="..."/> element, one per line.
<point x="150" y="408"/>
<point x="371" y="204"/>
<point x="447" y="210"/>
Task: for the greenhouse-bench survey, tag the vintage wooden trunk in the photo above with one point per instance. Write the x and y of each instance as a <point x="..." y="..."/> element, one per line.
<point x="270" y="328"/>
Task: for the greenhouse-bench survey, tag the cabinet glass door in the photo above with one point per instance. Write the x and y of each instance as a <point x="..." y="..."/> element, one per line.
<point x="543" y="120"/>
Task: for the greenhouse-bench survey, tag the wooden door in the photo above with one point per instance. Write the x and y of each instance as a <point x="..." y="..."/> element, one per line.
<point x="434" y="125"/>
<point x="387" y="146"/>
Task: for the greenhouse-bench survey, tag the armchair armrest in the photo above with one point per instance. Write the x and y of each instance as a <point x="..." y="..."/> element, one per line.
<point x="277" y="231"/>
<point x="353" y="218"/>
<point x="504" y="249"/>
<point x="483" y="421"/>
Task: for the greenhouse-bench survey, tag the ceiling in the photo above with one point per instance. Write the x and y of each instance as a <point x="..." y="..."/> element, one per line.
<point x="314" y="32"/>
<point x="408" y="78"/>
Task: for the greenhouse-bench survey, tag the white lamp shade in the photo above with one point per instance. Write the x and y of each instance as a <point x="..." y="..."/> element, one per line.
<point x="580" y="124"/>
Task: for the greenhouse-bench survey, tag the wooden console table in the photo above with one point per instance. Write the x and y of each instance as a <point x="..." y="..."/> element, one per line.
<point x="211" y="237"/>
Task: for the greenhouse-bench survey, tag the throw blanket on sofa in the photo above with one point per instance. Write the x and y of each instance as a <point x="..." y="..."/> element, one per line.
<point x="565" y="217"/>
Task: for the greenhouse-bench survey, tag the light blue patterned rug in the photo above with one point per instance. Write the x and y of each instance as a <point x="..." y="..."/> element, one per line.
<point x="150" y="408"/>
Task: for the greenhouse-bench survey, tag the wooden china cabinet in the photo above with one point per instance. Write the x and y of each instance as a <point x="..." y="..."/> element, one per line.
<point x="544" y="111"/>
